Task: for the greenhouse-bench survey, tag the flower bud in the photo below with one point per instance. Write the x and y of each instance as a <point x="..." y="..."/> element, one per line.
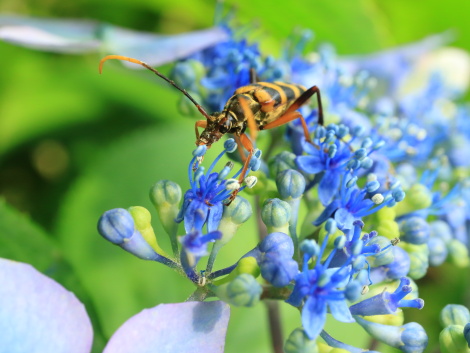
<point x="410" y="337"/>
<point x="386" y="302"/>
<point x="187" y="72"/>
<point x="166" y="196"/>
<point x="290" y="184"/>
<point x="441" y="229"/>
<point x="383" y="257"/>
<point x="419" y="260"/>
<point x="234" y="215"/>
<point x="298" y="342"/>
<point x="277" y="243"/>
<point x="414" y="230"/>
<point x="244" y="290"/>
<point x="452" y="340"/>
<point x="466" y="333"/>
<point x="388" y="228"/>
<point x="278" y="270"/>
<point x="400" y="266"/>
<point x="396" y="319"/>
<point x="437" y="251"/>
<point x="116" y="225"/>
<point x="276" y="215"/>
<point x="458" y="253"/>
<point x="142" y="219"/>
<point x="282" y="161"/>
<point x="418" y="197"/>
<point x="454" y="314"/>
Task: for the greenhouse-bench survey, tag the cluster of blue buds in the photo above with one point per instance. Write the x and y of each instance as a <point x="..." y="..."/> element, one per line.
<point x="361" y="242"/>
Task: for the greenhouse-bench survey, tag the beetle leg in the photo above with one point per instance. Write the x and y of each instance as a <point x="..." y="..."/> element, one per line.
<point x="246" y="143"/>
<point x="303" y="98"/>
<point x="241" y="150"/>
<point x="200" y="123"/>
<point x="287" y="117"/>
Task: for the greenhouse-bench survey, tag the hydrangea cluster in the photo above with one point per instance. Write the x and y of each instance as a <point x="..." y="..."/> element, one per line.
<point x="347" y="219"/>
<point x="378" y="186"/>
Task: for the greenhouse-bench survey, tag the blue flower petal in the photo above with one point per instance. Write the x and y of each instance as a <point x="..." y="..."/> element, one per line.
<point x="215" y="215"/>
<point x="313" y="316"/>
<point x="327" y="213"/>
<point x="196" y="211"/>
<point x="329" y="186"/>
<point x="310" y="164"/>
<point x="344" y="219"/>
<point x="340" y="310"/>
<point x="39" y="315"/>
<point x="174" y="328"/>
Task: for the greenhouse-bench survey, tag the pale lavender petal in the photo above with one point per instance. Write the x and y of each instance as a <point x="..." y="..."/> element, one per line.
<point x="38" y="315"/>
<point x="157" y="49"/>
<point x="63" y="36"/>
<point x="174" y="328"/>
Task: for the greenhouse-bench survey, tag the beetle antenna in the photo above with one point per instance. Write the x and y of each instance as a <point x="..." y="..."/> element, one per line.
<point x="171" y="82"/>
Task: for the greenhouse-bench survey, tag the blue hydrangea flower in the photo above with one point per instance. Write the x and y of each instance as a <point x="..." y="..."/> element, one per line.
<point x="353" y="203"/>
<point x="321" y="288"/>
<point x="209" y="189"/>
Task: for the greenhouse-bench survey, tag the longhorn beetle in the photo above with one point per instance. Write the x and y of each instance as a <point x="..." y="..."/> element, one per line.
<point x="258" y="106"/>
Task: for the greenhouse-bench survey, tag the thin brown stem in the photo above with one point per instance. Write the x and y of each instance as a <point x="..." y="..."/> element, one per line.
<point x="274" y="317"/>
<point x="373" y="344"/>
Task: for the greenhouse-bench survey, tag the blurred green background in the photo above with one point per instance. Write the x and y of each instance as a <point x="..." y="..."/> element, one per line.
<point x="74" y="144"/>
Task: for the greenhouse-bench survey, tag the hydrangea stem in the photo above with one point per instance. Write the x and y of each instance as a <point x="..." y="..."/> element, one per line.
<point x="274" y="315"/>
<point x="275" y="326"/>
<point x="294" y="203"/>
<point x="198" y="295"/>
<point x="215" y="250"/>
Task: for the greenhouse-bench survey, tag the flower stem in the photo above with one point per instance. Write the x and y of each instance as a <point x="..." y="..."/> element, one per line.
<point x="294" y="203"/>
<point x="274" y="315"/>
<point x="215" y="250"/>
<point x="198" y="295"/>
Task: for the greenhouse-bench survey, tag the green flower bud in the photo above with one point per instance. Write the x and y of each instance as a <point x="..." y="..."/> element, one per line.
<point x="298" y="342"/>
<point x="452" y="340"/>
<point x="234" y="215"/>
<point x="388" y="228"/>
<point x="142" y="222"/>
<point x="454" y="314"/>
<point x="419" y="259"/>
<point x="282" y="161"/>
<point x="396" y="319"/>
<point x="290" y="184"/>
<point x="458" y="253"/>
<point x="386" y="214"/>
<point x="276" y="215"/>
<point x="384" y="257"/>
<point x="244" y="290"/>
<point x="417" y="198"/>
<point x="166" y="196"/>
